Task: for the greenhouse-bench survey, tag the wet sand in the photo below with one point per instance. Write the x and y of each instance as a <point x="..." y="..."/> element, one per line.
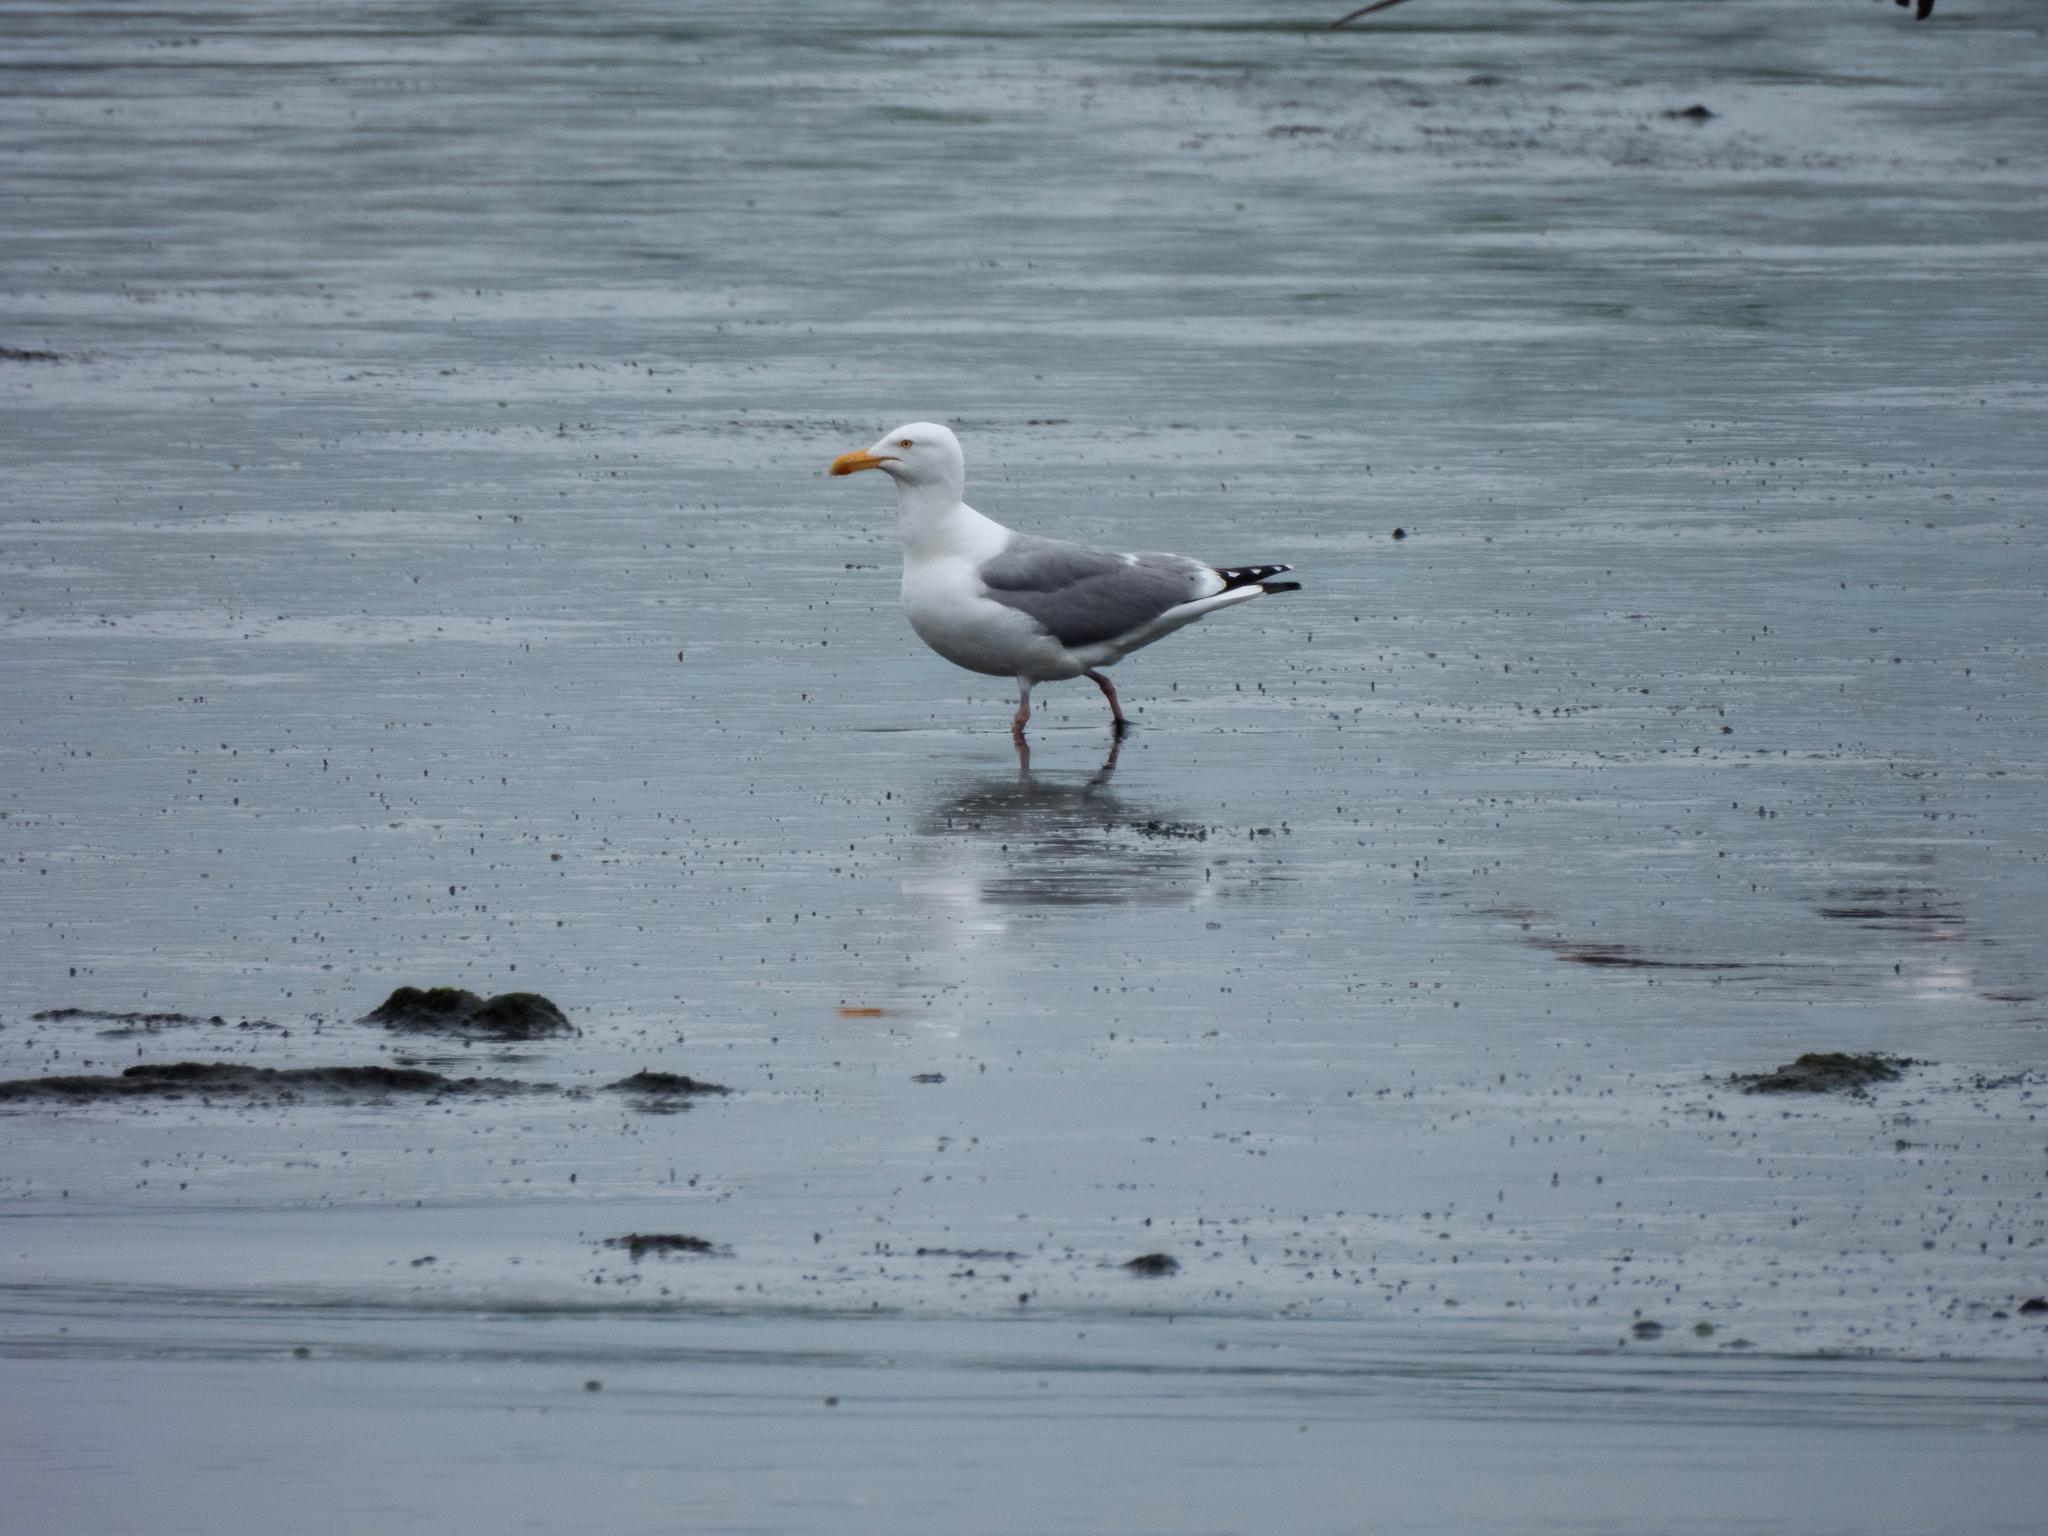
<point x="419" y="570"/>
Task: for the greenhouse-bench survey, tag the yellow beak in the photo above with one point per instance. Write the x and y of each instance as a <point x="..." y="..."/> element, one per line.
<point x="860" y="459"/>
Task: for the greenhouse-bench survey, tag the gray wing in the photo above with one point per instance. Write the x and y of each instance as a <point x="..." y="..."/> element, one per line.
<point x="1085" y="596"/>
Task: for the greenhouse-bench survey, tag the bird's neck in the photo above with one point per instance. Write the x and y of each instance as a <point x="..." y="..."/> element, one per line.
<point x="936" y="523"/>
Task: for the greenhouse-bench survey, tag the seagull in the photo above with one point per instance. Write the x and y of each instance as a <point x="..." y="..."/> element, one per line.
<point x="1011" y="604"/>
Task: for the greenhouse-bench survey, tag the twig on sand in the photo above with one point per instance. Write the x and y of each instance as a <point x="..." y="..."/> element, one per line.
<point x="1381" y="5"/>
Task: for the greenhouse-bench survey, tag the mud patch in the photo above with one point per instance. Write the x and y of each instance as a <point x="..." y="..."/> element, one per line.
<point x="125" y="1026"/>
<point x="1626" y="957"/>
<point x="1899" y="909"/>
<point x="1623" y="957"/>
<point x="1827" y="1072"/>
<point x="230" y="1080"/>
<point x="457" y="1011"/>
<point x="136" y="1030"/>
<point x="102" y="1016"/>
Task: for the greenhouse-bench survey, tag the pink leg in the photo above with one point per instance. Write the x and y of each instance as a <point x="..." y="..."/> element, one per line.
<point x="1023" y="716"/>
<point x="1108" y="688"/>
<point x="1116" y="745"/>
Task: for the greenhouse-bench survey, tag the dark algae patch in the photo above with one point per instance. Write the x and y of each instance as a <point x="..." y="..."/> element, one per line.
<point x="1153" y="1264"/>
<point x="1826" y="1072"/>
<point x="223" y="1079"/>
<point x="638" y="1245"/>
<point x="458" y="1011"/>
<point x="664" y="1085"/>
<point x="425" y="1007"/>
<point x="520" y="1016"/>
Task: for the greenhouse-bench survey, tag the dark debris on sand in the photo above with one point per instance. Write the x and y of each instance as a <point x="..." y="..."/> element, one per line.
<point x="458" y="1011"/>
<point x="1827" y="1072"/>
<point x="223" y="1079"/>
<point x="1185" y="831"/>
<point x="640" y="1244"/>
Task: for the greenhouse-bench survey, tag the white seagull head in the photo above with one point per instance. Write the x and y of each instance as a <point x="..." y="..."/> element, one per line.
<point x="919" y="456"/>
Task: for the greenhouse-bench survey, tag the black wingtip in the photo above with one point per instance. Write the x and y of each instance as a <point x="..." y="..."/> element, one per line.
<point x="1235" y="576"/>
<point x="1279" y="586"/>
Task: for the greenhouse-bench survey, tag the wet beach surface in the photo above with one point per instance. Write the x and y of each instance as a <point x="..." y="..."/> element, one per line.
<point x="418" y="569"/>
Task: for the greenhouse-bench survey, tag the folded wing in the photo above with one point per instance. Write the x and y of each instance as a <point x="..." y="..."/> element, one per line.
<point x="1083" y="596"/>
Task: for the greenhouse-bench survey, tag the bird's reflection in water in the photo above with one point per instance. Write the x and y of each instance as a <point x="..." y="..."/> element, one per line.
<point x="996" y="860"/>
<point x="1025" y="840"/>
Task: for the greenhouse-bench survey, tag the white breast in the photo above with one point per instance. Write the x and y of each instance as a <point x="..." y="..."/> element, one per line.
<point x="943" y="599"/>
<point x="944" y="547"/>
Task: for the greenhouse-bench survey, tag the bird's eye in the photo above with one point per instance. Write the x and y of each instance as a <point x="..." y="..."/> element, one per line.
<point x="904" y="442"/>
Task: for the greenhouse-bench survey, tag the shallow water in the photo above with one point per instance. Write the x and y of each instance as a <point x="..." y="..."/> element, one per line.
<point x="418" y="568"/>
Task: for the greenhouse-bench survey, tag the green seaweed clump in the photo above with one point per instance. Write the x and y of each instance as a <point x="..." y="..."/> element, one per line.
<point x="1826" y="1072"/>
<point x="458" y="1011"/>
